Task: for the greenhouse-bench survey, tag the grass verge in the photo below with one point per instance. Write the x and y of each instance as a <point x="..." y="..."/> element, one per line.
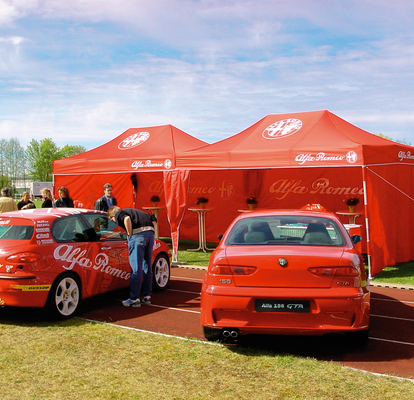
<point x="81" y="360"/>
<point x="401" y="274"/>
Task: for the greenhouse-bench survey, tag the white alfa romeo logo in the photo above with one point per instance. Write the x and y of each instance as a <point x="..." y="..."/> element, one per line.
<point x="351" y="157"/>
<point x="282" y="129"/>
<point x="134" y="140"/>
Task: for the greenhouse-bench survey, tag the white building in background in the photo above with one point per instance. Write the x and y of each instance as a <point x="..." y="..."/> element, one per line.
<point x="20" y="185"/>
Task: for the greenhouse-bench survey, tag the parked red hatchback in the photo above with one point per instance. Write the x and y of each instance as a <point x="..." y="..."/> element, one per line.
<point x="285" y="273"/>
<point x="55" y="257"/>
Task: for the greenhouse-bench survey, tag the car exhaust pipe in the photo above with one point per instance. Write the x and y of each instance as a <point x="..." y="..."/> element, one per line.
<point x="230" y="333"/>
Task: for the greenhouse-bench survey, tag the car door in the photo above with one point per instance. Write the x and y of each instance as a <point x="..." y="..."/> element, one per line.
<point x="110" y="265"/>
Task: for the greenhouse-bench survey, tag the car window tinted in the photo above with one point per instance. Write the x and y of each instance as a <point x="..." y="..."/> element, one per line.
<point x="72" y="229"/>
<point x="16" y="232"/>
<point x="104" y="228"/>
<point x="295" y="230"/>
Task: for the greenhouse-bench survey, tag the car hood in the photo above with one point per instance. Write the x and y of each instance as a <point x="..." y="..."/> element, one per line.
<point x="295" y="274"/>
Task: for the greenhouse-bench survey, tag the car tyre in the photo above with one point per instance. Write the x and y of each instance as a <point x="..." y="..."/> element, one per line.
<point x="161" y="272"/>
<point x="212" y="335"/>
<point x="64" y="297"/>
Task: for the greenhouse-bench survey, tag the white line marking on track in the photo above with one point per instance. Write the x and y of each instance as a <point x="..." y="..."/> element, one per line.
<point x="176" y="309"/>
<point x="183" y="291"/>
<point x="385" y="316"/>
<point x="186" y="278"/>
<point x="154" y="333"/>
<point x="377" y="374"/>
<point x="393" y="301"/>
<point x="392" y="341"/>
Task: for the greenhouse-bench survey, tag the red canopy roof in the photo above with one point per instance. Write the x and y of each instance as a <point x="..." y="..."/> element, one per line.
<point x="310" y="139"/>
<point x="136" y="150"/>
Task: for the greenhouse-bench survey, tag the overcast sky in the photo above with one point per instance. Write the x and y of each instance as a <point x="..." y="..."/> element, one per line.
<point x="82" y="72"/>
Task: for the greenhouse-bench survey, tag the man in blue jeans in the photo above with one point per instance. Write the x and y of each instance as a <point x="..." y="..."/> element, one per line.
<point x="140" y="230"/>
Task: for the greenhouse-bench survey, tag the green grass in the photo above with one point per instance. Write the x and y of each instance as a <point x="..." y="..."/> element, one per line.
<point x="76" y="359"/>
<point x="38" y="203"/>
<point x="402" y="274"/>
<point x="198" y="258"/>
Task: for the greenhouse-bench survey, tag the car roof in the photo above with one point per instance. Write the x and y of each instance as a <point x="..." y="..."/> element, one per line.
<point x="35" y="214"/>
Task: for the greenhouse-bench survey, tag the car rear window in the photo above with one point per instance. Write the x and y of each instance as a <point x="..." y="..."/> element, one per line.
<point x="294" y="230"/>
<point x="16" y="232"/>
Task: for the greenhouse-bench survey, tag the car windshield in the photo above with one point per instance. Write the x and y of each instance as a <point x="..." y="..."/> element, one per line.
<point x="16" y="232"/>
<point x="289" y="229"/>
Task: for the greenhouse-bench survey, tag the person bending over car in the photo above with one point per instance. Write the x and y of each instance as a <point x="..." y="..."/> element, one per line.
<point x="140" y="230"/>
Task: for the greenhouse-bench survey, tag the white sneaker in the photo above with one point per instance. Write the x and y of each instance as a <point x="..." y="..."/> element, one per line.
<point x="146" y="300"/>
<point x="131" y="303"/>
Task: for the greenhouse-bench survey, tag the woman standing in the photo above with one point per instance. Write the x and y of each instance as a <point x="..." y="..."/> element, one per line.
<point x="25" y="201"/>
<point x="64" y="200"/>
<point x="47" y="198"/>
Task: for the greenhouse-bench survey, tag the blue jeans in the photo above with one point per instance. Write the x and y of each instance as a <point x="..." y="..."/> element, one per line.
<point x="140" y="259"/>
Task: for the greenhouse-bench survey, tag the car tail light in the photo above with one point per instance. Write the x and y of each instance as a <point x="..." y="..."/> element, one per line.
<point x="24" y="258"/>
<point x="243" y="270"/>
<point x="231" y="270"/>
<point x="321" y="271"/>
<point x="334" y="271"/>
<point x="347" y="271"/>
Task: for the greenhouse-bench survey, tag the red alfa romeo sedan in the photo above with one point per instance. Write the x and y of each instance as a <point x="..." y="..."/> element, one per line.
<point x="54" y="257"/>
<point x="285" y="273"/>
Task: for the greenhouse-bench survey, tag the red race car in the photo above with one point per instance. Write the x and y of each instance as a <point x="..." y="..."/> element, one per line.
<point x="285" y="273"/>
<point x="55" y="257"/>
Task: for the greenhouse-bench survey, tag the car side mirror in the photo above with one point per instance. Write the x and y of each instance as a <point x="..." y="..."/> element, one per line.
<point x="356" y="239"/>
<point x="220" y="237"/>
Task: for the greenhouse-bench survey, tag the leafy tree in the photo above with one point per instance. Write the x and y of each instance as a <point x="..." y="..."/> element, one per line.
<point x="68" y="151"/>
<point x="3" y="158"/>
<point x="4" y="181"/>
<point x="390" y="138"/>
<point x="41" y="154"/>
<point x="15" y="159"/>
<point x="12" y="162"/>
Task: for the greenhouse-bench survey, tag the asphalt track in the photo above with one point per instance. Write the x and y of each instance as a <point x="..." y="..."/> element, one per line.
<point x="176" y="311"/>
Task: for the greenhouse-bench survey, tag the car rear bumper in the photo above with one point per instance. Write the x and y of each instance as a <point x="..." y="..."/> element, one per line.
<point x="23" y="292"/>
<point x="330" y="310"/>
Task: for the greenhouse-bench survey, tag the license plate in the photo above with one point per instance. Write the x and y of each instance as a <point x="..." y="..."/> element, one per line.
<point x="291" y="306"/>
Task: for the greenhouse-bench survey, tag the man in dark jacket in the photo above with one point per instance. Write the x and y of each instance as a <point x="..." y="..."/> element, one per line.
<point x="140" y="230"/>
<point x="105" y="202"/>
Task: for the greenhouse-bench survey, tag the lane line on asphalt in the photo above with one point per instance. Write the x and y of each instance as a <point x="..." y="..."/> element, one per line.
<point x="392" y="341"/>
<point x="182" y="291"/>
<point x="388" y="317"/>
<point x="392" y="300"/>
<point x="154" y="333"/>
<point x="184" y="278"/>
<point x="173" y="308"/>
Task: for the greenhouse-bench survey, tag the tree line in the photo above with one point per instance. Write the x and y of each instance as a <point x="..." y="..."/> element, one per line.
<point x="33" y="163"/>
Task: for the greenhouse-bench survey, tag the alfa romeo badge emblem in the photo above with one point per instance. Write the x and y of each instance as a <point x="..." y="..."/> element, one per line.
<point x="282" y="129"/>
<point x="282" y="262"/>
<point x="134" y="140"/>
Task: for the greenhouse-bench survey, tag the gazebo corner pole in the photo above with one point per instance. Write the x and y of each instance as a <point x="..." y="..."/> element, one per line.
<point x="364" y="185"/>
